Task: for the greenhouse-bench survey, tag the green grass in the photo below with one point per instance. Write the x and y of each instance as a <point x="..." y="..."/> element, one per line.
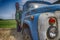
<point x="7" y="24"/>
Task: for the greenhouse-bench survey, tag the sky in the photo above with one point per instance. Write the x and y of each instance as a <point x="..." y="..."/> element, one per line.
<point x="7" y="8"/>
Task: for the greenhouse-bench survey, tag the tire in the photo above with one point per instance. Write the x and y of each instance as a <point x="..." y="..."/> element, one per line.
<point x="26" y="34"/>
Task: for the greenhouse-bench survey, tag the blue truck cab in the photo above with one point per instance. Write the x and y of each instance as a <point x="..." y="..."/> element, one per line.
<point x="39" y="21"/>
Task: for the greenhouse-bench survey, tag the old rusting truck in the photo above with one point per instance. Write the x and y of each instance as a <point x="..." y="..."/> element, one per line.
<point x="40" y="21"/>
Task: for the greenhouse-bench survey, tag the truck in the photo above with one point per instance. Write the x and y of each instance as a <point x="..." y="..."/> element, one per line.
<point x="40" y="21"/>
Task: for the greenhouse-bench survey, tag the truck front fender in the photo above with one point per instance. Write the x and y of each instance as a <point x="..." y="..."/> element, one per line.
<point x="29" y="23"/>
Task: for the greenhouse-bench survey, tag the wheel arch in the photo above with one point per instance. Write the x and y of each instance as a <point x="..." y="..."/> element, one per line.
<point x="27" y="24"/>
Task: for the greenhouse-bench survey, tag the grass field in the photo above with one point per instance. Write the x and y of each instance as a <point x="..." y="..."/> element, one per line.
<point x="7" y="24"/>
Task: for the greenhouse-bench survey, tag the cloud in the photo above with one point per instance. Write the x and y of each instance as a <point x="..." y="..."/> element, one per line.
<point x="23" y="1"/>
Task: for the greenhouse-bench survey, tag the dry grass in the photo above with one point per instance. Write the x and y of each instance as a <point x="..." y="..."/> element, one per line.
<point x="4" y="34"/>
<point x="9" y="34"/>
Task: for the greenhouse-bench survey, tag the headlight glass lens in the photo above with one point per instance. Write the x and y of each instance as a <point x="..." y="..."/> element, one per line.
<point x="52" y="32"/>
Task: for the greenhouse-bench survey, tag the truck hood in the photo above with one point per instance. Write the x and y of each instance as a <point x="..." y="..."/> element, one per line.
<point x="50" y="8"/>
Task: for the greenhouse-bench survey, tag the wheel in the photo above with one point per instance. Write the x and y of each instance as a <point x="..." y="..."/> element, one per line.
<point x="26" y="34"/>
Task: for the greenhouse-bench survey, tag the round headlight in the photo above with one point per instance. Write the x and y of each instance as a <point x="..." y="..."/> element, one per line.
<point x="52" y="32"/>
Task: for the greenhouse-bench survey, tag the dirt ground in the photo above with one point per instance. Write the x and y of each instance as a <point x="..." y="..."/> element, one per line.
<point x="10" y="34"/>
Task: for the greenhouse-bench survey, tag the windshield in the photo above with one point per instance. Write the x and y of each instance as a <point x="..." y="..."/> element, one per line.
<point x="36" y="5"/>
